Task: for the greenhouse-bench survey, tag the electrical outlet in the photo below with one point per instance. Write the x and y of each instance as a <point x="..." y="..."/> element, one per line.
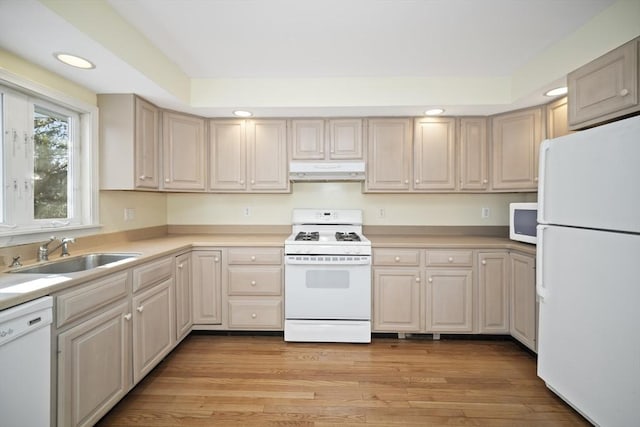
<point x="381" y="213"/>
<point x="247" y="211"/>
<point x="485" y="213"/>
<point x="129" y="214"/>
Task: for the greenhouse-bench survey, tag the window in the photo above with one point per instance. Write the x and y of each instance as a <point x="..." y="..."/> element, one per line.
<point x="47" y="161"/>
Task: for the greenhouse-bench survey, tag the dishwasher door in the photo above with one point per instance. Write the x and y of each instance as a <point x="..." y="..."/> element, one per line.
<point x="25" y="364"/>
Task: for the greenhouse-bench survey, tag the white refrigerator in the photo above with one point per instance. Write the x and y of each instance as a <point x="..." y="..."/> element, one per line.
<point x="588" y="271"/>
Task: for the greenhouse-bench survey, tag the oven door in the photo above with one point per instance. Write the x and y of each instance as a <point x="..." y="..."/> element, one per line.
<point x="328" y="287"/>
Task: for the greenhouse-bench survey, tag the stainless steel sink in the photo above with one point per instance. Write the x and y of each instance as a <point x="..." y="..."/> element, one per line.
<point x="76" y="264"/>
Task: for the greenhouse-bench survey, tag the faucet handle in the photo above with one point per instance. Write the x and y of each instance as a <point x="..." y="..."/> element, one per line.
<point x="16" y="262"/>
<point x="45" y="244"/>
<point x="68" y="240"/>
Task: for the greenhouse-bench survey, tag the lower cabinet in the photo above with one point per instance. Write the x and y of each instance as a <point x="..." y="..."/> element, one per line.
<point x="94" y="370"/>
<point x="184" y="302"/>
<point x="396" y="299"/>
<point x="207" y="288"/>
<point x="523" y="326"/>
<point x="449" y="300"/>
<point x="493" y="293"/>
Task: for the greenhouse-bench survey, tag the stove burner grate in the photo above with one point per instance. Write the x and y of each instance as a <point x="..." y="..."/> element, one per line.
<point x="307" y="236"/>
<point x="347" y="237"/>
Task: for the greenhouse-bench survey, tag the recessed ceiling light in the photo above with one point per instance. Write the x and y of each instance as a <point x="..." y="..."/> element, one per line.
<point x="74" y="60"/>
<point x="242" y="113"/>
<point x="434" y="112"/>
<point x="557" y="91"/>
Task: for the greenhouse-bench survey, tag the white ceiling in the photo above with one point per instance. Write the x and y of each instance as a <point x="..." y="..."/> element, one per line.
<point x="305" y="39"/>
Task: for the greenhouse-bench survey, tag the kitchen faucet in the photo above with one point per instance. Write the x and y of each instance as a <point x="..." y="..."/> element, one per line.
<point x="43" y="250"/>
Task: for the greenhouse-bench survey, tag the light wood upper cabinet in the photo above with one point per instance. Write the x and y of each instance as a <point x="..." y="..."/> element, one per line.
<point x="516" y="143"/>
<point x="523" y="324"/>
<point x="605" y="88"/>
<point x="129" y="143"/>
<point x="434" y="160"/>
<point x="267" y="156"/>
<point x="248" y="156"/>
<point x="389" y="155"/>
<point x="493" y="293"/>
<point x="184" y="152"/>
<point x="332" y="139"/>
<point x="557" y="120"/>
<point x="474" y="154"/>
<point x="207" y="287"/>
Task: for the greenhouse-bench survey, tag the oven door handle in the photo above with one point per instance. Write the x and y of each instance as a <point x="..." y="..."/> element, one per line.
<point x="328" y="260"/>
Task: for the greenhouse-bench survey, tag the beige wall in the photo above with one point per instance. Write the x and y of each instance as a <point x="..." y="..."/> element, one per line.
<point x="150" y="209"/>
<point x="400" y="209"/>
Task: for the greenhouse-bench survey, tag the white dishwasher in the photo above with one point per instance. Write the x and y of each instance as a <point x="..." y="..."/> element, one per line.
<point x="25" y="364"/>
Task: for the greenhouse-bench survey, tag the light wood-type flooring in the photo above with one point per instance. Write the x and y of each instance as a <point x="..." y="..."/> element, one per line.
<point x="212" y="380"/>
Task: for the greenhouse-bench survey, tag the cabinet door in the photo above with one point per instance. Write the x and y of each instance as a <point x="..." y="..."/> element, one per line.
<point x="345" y="139"/>
<point x="388" y="155"/>
<point x="307" y="139"/>
<point x="523" y="300"/>
<point x="516" y="142"/>
<point x="183" y="152"/>
<point x="474" y="170"/>
<point x="434" y="162"/>
<point x="493" y="293"/>
<point x="207" y="290"/>
<point x="227" y="155"/>
<point x="94" y="371"/>
<point x="267" y="147"/>
<point x="153" y="327"/>
<point x="605" y="88"/>
<point x="557" y="124"/>
<point x="184" y="317"/>
<point x="396" y="299"/>
<point x="147" y="143"/>
<point x="449" y="300"/>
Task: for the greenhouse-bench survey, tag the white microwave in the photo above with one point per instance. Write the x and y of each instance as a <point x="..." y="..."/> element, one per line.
<point x="523" y="220"/>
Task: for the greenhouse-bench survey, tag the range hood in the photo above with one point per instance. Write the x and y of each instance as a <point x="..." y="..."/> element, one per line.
<point x="326" y="171"/>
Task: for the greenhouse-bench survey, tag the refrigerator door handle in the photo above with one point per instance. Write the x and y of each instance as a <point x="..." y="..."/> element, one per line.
<point x="541" y="290"/>
<point x="544" y="152"/>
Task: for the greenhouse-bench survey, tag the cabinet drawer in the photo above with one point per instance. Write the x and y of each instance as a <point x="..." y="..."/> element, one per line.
<point x="152" y="273"/>
<point x="396" y="257"/>
<point x="449" y="258"/>
<point x="255" y="256"/>
<point x="255" y="313"/>
<point x="255" y="281"/>
<point x="87" y="298"/>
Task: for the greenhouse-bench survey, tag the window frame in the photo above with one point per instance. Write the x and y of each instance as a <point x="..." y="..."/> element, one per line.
<point x="86" y="220"/>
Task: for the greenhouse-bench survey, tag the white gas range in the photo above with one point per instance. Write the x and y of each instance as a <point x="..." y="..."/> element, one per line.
<point x="327" y="277"/>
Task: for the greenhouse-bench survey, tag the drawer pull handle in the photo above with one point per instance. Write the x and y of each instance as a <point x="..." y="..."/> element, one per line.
<point x="139" y="309"/>
<point x="397" y="259"/>
<point x="253" y="315"/>
<point x="253" y="283"/>
<point x="450" y="259"/>
<point x="143" y="177"/>
<point x="624" y="92"/>
<point x="253" y="258"/>
<point x="127" y="316"/>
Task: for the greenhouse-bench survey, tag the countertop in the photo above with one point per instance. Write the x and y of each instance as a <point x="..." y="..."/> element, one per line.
<point x="18" y="288"/>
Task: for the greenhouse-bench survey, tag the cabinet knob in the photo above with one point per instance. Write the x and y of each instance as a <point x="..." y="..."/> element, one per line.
<point x="242" y="181"/>
<point x="624" y="92"/>
<point x="253" y="283"/>
<point x="484" y="262"/>
<point x="450" y="259"/>
<point x="485" y="181"/>
<point x="253" y="181"/>
<point x="216" y="259"/>
<point x="254" y="315"/>
<point x="406" y="181"/>
<point x="535" y="179"/>
<point x="127" y="316"/>
<point x="142" y="177"/>
<point x="417" y="280"/>
<point x="167" y="180"/>
<point x="180" y="266"/>
<point x="397" y="259"/>
<point x="253" y="258"/>
<point x="430" y="279"/>
<point x="140" y="308"/>
<point x="417" y="181"/>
